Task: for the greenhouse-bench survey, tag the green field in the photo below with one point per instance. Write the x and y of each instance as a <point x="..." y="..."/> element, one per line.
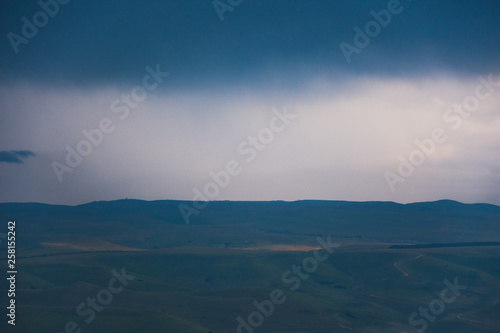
<point x="202" y="277"/>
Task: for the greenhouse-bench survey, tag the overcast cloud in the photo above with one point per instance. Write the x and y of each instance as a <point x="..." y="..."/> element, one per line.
<point x="353" y="120"/>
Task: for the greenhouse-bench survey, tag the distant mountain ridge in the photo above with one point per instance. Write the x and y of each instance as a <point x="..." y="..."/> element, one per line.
<point x="159" y="224"/>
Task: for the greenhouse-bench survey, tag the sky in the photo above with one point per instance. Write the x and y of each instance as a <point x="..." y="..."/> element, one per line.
<point x="250" y="100"/>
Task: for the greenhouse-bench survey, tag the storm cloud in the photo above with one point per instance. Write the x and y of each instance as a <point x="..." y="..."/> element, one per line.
<point x="78" y="93"/>
<point x="15" y="156"/>
<point x="91" y="42"/>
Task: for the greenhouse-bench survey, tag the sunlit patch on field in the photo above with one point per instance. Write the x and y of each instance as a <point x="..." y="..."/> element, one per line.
<point x="89" y="245"/>
<point x="283" y="247"/>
